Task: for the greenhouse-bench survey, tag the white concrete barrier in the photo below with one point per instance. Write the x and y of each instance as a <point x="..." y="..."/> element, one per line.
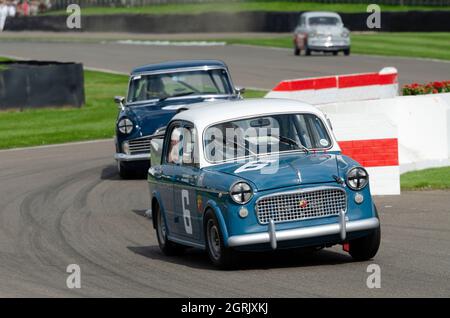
<point x="388" y="134"/>
<point x="372" y="141"/>
<point x="423" y="126"/>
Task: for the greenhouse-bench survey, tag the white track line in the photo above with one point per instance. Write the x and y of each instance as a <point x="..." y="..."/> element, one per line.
<point x="171" y="43"/>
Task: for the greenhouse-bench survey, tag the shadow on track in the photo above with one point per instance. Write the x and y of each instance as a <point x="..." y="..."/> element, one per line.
<point x="110" y="173"/>
<point x="197" y="258"/>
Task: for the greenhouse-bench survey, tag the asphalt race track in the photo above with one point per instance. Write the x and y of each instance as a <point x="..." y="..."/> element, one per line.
<point x="65" y="204"/>
<point x="250" y="66"/>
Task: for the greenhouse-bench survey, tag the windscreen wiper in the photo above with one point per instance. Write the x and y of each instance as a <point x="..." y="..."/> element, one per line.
<point x="290" y="141"/>
<point x="177" y="95"/>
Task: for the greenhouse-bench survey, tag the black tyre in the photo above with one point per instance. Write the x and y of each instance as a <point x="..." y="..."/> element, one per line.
<point x="125" y="171"/>
<point x="347" y="52"/>
<point x="167" y="247"/>
<point x="335" y="53"/>
<point x="307" y="51"/>
<point x="219" y="255"/>
<point x="296" y="51"/>
<point x="365" y="248"/>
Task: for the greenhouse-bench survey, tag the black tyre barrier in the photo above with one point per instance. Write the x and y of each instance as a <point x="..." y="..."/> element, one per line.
<point x="425" y="21"/>
<point x="34" y="84"/>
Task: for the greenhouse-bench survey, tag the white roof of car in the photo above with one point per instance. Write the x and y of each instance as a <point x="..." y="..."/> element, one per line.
<point x="320" y="14"/>
<point x="204" y="114"/>
<point x="207" y="113"/>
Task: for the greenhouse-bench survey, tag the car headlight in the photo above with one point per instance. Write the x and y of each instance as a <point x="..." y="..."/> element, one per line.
<point x="241" y="192"/>
<point x="357" y="178"/>
<point x="345" y="34"/>
<point x="125" y="126"/>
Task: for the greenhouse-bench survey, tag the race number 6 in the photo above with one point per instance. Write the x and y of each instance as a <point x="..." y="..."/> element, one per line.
<point x="186" y="212"/>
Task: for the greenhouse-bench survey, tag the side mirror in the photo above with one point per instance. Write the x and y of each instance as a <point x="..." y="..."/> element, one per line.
<point x="240" y="91"/>
<point x="120" y="100"/>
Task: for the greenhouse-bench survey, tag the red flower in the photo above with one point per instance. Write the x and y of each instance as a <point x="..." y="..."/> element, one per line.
<point x="429" y="88"/>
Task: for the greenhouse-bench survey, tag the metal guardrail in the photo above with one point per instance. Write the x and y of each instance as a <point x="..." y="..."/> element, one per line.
<point x="61" y="4"/>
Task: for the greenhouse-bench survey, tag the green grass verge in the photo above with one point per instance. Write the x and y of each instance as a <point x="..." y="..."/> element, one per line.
<point x="190" y="8"/>
<point x="417" y="44"/>
<point x="435" y="178"/>
<point x="95" y="120"/>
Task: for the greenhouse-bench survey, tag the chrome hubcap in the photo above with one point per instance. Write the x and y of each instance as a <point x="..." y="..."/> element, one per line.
<point x="161" y="229"/>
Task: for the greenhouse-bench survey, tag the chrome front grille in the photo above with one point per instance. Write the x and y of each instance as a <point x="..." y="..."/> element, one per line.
<point x="139" y="145"/>
<point x="301" y="205"/>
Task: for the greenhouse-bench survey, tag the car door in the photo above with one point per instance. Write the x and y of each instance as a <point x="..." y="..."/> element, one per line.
<point x="185" y="188"/>
<point x="166" y="175"/>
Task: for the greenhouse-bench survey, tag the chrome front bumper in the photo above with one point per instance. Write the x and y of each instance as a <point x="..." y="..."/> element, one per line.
<point x="328" y="45"/>
<point x="272" y="236"/>
<point x="125" y="157"/>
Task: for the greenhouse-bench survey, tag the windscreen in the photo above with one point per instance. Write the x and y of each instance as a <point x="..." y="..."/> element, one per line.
<point x="177" y="84"/>
<point x="323" y="21"/>
<point x="263" y="135"/>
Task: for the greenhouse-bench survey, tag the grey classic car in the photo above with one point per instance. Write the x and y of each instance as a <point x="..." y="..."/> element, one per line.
<point x="321" y="31"/>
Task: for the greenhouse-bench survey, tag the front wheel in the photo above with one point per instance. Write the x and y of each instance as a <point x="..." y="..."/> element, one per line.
<point x="307" y="51"/>
<point x="296" y="51"/>
<point x="125" y="171"/>
<point x="365" y="248"/>
<point x="347" y="52"/>
<point x="219" y="255"/>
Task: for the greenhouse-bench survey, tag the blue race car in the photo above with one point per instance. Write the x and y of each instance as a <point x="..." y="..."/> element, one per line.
<point x="258" y="174"/>
<point x="155" y="93"/>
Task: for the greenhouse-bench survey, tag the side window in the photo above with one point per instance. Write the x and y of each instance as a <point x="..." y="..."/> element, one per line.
<point x="302" y="21"/>
<point x="175" y="151"/>
<point x="182" y="146"/>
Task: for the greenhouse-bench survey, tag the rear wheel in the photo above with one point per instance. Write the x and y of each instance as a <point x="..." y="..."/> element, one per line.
<point x="347" y="52"/>
<point x="167" y="247"/>
<point x="365" y="248"/>
<point x="296" y="51"/>
<point x="335" y="53"/>
<point x="219" y="255"/>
